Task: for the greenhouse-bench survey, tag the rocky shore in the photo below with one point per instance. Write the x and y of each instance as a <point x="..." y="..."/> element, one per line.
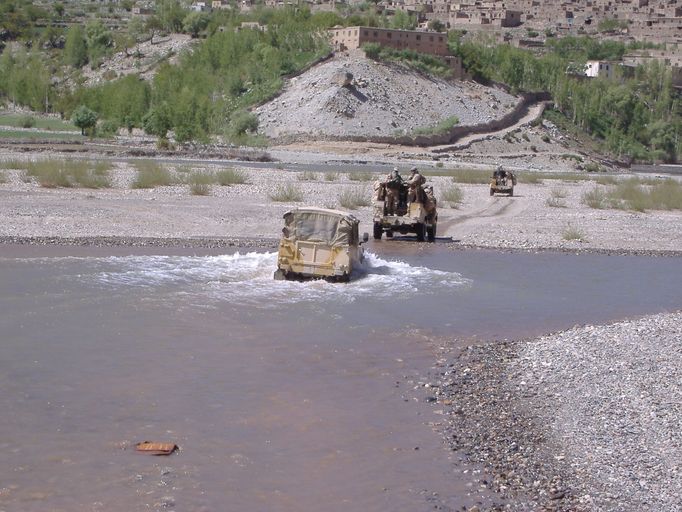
<point x="581" y="420"/>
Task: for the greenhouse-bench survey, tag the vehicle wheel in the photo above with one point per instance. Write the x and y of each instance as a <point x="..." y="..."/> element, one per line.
<point x="378" y="230"/>
<point x="431" y="233"/>
<point x="389" y="234"/>
<point x="419" y="229"/>
<point x="511" y="192"/>
<point x="492" y="192"/>
<point x="279" y="275"/>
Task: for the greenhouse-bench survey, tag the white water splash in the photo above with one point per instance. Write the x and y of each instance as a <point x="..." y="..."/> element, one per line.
<point x="247" y="279"/>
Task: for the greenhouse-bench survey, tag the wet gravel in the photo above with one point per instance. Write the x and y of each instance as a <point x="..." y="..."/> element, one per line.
<point x="581" y="420"/>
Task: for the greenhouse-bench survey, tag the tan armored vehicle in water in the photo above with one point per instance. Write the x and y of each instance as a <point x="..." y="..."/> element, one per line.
<point x="319" y="244"/>
<point x="399" y="209"/>
<point x="502" y="182"/>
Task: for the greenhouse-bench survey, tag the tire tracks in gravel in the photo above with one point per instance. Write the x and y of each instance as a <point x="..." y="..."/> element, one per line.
<point x="494" y="210"/>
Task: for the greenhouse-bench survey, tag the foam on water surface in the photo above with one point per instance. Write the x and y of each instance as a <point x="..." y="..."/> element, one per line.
<point x="248" y="279"/>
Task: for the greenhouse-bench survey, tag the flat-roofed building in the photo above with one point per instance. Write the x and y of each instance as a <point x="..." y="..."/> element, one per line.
<point x="349" y="38"/>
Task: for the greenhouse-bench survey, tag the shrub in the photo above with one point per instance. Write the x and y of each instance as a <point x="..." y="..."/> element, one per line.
<point x="360" y="176"/>
<point x="331" y="176"/>
<point x="593" y="167"/>
<point x="558" y="193"/>
<point x="555" y="202"/>
<point x="241" y="123"/>
<point x="27" y="121"/>
<point x="107" y="128"/>
<point x="595" y="198"/>
<point x="452" y="195"/>
<point x="200" y="183"/>
<point x="442" y="127"/>
<point x="307" y="176"/>
<point x="14" y="164"/>
<point x="545" y="138"/>
<point x="606" y="180"/>
<point x="151" y="174"/>
<point x="228" y="177"/>
<point x="287" y="194"/>
<point x="352" y="198"/>
<point x="571" y="233"/>
<point x="3" y="177"/>
<point x="75" y="173"/>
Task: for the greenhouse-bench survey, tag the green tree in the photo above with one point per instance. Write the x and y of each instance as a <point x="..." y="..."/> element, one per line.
<point x="436" y="25"/>
<point x="75" y="48"/>
<point x="99" y="40"/>
<point x="157" y="122"/>
<point x="84" y="118"/>
<point x="58" y="9"/>
<point x="195" y="22"/>
<point x="170" y="13"/>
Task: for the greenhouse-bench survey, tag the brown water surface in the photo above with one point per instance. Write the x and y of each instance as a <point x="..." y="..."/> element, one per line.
<point x="282" y="396"/>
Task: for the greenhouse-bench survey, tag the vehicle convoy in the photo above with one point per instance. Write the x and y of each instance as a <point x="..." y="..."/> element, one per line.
<point x="404" y="208"/>
<point x="318" y="243"/>
<point x="502" y="182"/>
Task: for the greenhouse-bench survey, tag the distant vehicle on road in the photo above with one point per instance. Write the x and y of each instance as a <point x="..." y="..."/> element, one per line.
<point x="318" y="243"/>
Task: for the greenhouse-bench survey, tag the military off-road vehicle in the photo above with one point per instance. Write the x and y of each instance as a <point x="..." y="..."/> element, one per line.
<point x="502" y="182"/>
<point x="319" y="244"/>
<point x="419" y="216"/>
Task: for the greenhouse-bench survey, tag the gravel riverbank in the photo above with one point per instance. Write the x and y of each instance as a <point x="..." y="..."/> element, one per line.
<point x="581" y="420"/>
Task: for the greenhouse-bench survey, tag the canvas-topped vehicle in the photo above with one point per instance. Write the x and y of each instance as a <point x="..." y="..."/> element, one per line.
<point x="502" y="182"/>
<point x="404" y="207"/>
<point x="318" y="243"/>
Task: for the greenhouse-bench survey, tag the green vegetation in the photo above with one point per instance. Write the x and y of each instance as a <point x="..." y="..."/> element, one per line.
<point x="595" y="198"/>
<point x="360" y="176"/>
<point x="200" y="183"/>
<point x="442" y="127"/>
<point x="331" y="176"/>
<point x="353" y="198"/>
<point x="228" y="177"/>
<point x="638" y="117"/>
<point x="452" y="195"/>
<point x="530" y="178"/>
<point x="3" y="177"/>
<point x="307" y="176"/>
<point x="571" y="233"/>
<point x="421" y="61"/>
<point x="42" y="123"/>
<point x="84" y="118"/>
<point x="471" y="176"/>
<point x="286" y="194"/>
<point x="72" y="173"/>
<point x="152" y="174"/>
<point x="632" y="195"/>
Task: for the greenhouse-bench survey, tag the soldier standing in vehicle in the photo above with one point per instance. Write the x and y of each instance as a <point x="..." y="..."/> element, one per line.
<point x="393" y="184"/>
<point x="414" y="184"/>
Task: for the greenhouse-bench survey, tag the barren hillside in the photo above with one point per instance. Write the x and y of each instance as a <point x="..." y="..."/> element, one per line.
<point x="382" y="99"/>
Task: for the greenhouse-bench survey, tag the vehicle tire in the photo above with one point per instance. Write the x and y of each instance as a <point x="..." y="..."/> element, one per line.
<point x="279" y="275"/>
<point x="419" y="228"/>
<point x="431" y="233"/>
<point x="389" y="234"/>
<point x="511" y="192"/>
<point x="492" y="192"/>
<point x="378" y="230"/>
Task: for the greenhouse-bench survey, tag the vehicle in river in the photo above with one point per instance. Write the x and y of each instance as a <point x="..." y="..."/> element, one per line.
<point x="318" y="243"/>
<point x="419" y="216"/>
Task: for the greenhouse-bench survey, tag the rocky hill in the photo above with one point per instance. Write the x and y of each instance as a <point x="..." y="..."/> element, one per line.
<point x="351" y="95"/>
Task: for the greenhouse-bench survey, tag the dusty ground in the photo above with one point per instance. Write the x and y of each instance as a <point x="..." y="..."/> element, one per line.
<point x="524" y="221"/>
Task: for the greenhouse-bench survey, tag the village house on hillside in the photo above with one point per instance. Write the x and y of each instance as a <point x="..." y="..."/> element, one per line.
<point x="432" y="43"/>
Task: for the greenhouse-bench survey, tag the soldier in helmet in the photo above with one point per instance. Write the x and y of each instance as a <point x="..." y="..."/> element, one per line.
<point x="393" y="184"/>
<point x="414" y="184"/>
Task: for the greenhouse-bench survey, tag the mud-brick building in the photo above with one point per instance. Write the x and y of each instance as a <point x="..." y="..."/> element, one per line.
<point x="432" y="43"/>
<point x="349" y="38"/>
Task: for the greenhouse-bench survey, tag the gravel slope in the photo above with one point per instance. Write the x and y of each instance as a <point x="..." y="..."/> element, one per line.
<point x="384" y="99"/>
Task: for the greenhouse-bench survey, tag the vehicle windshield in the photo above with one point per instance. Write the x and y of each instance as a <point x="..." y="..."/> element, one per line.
<point x="318" y="227"/>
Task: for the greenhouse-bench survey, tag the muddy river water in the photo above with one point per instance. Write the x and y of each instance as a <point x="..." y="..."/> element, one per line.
<point x="282" y="396"/>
